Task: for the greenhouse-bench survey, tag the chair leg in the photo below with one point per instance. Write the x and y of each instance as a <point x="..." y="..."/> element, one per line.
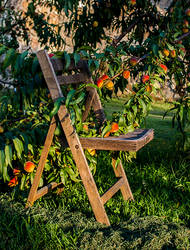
<point x="95" y="199"/>
<point x="82" y="165"/>
<point x="119" y="172"/>
<point x="45" y="151"/>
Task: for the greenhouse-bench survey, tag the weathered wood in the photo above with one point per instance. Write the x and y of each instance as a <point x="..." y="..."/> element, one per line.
<point x="125" y="188"/>
<point x="73" y="141"/>
<point x="44" y="154"/>
<point x="114" y="189"/>
<point x="132" y="142"/>
<point x="72" y="79"/>
<point x="58" y="64"/>
<point x="129" y="142"/>
<point x="97" y="107"/>
<point x="88" y="104"/>
<point x="84" y="170"/>
<point x="44" y="190"/>
<point x="49" y="75"/>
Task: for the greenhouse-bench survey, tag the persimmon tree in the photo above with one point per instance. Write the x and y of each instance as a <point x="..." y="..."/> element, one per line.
<point x="147" y="45"/>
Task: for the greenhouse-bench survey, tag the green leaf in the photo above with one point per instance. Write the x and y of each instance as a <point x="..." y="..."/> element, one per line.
<point x="72" y="116"/>
<point x="93" y="86"/>
<point x="23" y="181"/>
<point x="96" y="64"/>
<point x="22" y="57"/>
<point x="8" y="155"/>
<point x="76" y="58"/>
<point x="143" y="105"/>
<point x="10" y="56"/>
<point x="72" y="174"/>
<point x="78" y="112"/>
<point x="67" y="60"/>
<point x="69" y="97"/>
<point x="56" y="107"/>
<point x="18" y="146"/>
<point x="90" y="62"/>
<point x="134" y="108"/>
<point x="2" y="161"/>
<point x="122" y="121"/>
<point x="2" y="49"/>
<point x="106" y="129"/>
<point x="85" y="47"/>
<point x="117" y="162"/>
<point x="5" y="174"/>
<point x="26" y="142"/>
<point x="47" y="117"/>
<point x="79" y="99"/>
<point x="84" y="53"/>
<point x="63" y="176"/>
<point x="128" y="103"/>
<point x="149" y="69"/>
<point x="155" y="49"/>
<point x="181" y="113"/>
<point x="41" y="182"/>
<point x="170" y="47"/>
<point x="111" y="70"/>
<point x="35" y="65"/>
<point x="30" y="148"/>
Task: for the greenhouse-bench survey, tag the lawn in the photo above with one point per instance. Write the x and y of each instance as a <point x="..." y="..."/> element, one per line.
<point x="159" y="218"/>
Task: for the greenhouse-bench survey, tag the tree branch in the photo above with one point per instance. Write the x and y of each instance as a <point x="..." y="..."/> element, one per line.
<point x="182" y="37"/>
<point x="116" y="41"/>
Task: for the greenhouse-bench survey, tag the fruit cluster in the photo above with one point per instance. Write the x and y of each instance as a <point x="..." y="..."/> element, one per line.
<point x="28" y="167"/>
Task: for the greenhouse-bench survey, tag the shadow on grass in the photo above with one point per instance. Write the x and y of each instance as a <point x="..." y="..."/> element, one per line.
<point x="159" y="179"/>
<point x="42" y="228"/>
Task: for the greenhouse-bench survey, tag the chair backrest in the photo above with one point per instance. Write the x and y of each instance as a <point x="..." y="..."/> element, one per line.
<point x="52" y="69"/>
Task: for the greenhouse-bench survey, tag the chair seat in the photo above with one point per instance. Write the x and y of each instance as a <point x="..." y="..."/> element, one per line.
<point x="132" y="141"/>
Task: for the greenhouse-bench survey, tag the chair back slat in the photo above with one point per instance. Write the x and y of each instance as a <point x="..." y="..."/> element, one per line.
<point x="49" y="75"/>
<point x="54" y="81"/>
<point x="73" y="79"/>
<point x="58" y="64"/>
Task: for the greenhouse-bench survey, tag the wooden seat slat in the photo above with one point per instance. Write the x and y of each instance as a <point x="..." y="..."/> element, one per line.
<point x="133" y="142"/>
<point x="72" y="79"/>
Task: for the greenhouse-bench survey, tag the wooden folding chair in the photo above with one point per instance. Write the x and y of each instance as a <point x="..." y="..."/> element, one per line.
<point x="129" y="142"/>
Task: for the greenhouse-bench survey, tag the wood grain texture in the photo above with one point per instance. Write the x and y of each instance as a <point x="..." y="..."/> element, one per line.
<point x="84" y="170"/>
<point x="114" y="189"/>
<point x="97" y="107"/>
<point x="130" y="142"/>
<point x="44" y="190"/>
<point x="59" y="64"/>
<point x="72" y="79"/>
<point x="40" y="168"/>
<point x="49" y="75"/>
<point x="88" y="103"/>
<point x="120" y="172"/>
<point x="73" y="141"/>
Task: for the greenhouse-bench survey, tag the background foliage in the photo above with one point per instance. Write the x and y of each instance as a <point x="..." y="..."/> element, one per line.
<point x="156" y="47"/>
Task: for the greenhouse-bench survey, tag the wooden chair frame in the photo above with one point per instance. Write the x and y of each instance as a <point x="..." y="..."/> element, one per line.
<point x="130" y="142"/>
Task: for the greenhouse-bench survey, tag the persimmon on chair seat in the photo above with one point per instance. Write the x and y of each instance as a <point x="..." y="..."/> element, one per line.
<point x="130" y="142"/>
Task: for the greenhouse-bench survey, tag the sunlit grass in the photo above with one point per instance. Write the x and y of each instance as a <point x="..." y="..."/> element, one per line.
<point x="159" y="218"/>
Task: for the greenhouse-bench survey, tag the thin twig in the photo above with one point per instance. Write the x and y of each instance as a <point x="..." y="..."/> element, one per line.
<point x="182" y="37"/>
<point x="112" y="78"/>
<point x="9" y="83"/>
<point x="116" y="41"/>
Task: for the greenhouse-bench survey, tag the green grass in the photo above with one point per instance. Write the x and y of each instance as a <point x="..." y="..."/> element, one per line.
<point x="159" y="218"/>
